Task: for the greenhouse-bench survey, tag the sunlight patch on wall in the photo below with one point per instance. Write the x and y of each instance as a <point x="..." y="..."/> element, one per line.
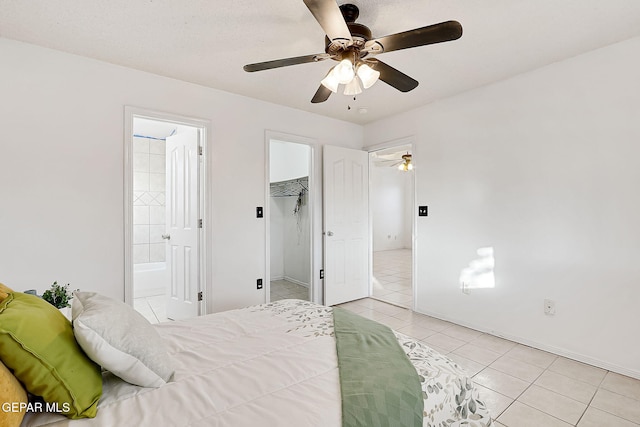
<point x="479" y="274"/>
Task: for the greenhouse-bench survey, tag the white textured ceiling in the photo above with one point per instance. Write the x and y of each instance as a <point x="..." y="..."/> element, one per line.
<point x="208" y="41"/>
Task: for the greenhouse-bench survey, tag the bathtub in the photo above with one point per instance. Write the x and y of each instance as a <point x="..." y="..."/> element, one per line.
<point x="150" y="279"/>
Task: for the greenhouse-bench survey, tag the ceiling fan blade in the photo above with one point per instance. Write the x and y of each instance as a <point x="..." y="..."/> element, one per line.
<point x="437" y="33"/>
<point x="259" y="66"/>
<point x="330" y="18"/>
<point x="393" y="77"/>
<point x="322" y="94"/>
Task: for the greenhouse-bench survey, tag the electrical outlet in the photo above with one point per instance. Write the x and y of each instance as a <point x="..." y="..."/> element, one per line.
<point x="549" y="307"/>
<point x="259" y="283"/>
<point x="423" y="210"/>
<point x="322" y="274"/>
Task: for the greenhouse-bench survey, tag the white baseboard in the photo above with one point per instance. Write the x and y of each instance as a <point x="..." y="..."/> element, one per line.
<point x="290" y="279"/>
<point x="297" y="282"/>
<point x="542" y="346"/>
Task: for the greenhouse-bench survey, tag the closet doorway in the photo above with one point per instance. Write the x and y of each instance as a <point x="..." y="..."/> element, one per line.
<point x="392" y="195"/>
<point x="290" y="220"/>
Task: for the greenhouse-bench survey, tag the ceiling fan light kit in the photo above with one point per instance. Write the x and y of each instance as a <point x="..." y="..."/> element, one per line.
<point x="367" y="75"/>
<point x="406" y="164"/>
<point x="353" y="87"/>
<point x="352" y="45"/>
<point x="331" y="82"/>
<point x="343" y="72"/>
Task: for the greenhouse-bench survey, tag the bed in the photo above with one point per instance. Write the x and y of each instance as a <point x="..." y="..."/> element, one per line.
<point x="267" y="365"/>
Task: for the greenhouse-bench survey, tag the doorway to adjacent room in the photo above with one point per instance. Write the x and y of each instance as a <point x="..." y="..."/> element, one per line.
<point x="392" y="222"/>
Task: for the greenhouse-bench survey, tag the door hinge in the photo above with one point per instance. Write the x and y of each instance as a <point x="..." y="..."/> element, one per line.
<point x="199" y="223"/>
<point x="200" y="296"/>
<point x="200" y="150"/>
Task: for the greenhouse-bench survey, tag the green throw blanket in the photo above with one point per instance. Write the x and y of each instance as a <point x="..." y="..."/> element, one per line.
<point x="379" y="385"/>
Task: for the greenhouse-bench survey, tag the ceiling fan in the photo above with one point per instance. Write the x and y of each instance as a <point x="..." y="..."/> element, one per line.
<point x="391" y="160"/>
<point x="352" y="45"/>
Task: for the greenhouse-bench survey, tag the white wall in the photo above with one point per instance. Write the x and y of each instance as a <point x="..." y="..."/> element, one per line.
<point x="391" y="219"/>
<point x="290" y="240"/>
<point x="276" y="238"/>
<point x="61" y="171"/>
<point x="297" y="241"/>
<point x="288" y="160"/>
<point x="544" y="168"/>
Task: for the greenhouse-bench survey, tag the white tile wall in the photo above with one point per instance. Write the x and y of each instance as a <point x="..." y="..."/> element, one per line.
<point x="157" y="252"/>
<point x="157" y="214"/>
<point x="155" y="233"/>
<point x="156" y="163"/>
<point x="149" y="199"/>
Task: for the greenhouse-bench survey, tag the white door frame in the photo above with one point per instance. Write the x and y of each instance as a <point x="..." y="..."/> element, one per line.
<point x="313" y="191"/>
<point x="408" y="140"/>
<point x="205" y="266"/>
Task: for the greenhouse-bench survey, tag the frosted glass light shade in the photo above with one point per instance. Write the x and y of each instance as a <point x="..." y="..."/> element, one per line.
<point x="331" y="81"/>
<point x="353" y="87"/>
<point x="405" y="166"/>
<point x="344" y="71"/>
<point x="368" y="75"/>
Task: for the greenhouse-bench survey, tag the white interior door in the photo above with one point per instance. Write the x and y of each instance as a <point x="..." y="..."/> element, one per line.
<point x="183" y="231"/>
<point x="346" y="224"/>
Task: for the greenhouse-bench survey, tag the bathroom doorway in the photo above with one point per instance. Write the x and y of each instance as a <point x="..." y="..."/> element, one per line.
<point x="392" y="220"/>
<point x="290" y="216"/>
<point x="165" y="208"/>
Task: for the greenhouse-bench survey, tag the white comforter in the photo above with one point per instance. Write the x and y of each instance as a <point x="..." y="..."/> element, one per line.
<point x="267" y="365"/>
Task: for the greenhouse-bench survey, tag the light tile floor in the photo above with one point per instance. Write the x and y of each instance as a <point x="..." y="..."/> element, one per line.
<point x="283" y="289"/>
<point x="392" y="277"/>
<point x="522" y="386"/>
<point x="152" y="308"/>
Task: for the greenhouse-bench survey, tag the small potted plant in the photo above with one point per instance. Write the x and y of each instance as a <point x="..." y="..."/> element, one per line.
<point x="59" y="297"/>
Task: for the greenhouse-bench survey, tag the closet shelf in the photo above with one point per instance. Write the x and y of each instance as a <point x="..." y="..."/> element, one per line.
<point x="292" y="187"/>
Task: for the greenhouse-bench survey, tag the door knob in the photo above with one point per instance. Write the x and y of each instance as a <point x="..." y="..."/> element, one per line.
<point x="166" y="236"/>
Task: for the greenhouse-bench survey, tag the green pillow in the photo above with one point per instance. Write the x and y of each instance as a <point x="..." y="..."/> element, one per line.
<point x="37" y="344"/>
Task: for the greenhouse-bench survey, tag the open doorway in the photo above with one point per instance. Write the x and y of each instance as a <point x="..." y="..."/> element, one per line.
<point x="164" y="207"/>
<point x="290" y="220"/>
<point x="392" y="200"/>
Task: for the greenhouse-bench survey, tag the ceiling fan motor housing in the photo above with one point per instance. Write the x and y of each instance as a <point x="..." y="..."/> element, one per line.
<point x="359" y="32"/>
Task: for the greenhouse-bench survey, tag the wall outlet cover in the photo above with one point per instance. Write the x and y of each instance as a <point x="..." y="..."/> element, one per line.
<point x="549" y="307"/>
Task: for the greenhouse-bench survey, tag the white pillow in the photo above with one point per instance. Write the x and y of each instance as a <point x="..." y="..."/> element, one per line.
<point x="120" y="339"/>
